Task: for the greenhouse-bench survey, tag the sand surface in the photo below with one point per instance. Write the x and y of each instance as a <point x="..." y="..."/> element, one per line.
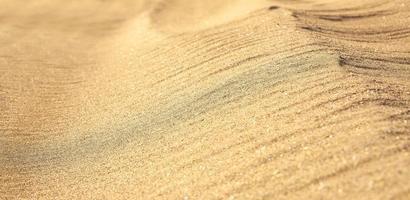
<point x="192" y="99"/>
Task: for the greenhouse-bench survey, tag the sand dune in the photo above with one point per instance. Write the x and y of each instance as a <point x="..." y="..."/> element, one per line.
<point x="189" y="99"/>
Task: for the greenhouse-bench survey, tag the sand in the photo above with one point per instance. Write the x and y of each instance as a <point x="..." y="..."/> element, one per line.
<point x="190" y="99"/>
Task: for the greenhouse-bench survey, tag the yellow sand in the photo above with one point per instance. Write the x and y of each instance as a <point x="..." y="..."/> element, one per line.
<point x="191" y="99"/>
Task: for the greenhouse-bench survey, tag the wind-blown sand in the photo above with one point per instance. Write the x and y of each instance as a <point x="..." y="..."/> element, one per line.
<point x="190" y="99"/>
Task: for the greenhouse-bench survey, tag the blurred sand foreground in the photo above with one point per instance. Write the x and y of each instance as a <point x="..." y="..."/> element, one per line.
<point x="192" y="99"/>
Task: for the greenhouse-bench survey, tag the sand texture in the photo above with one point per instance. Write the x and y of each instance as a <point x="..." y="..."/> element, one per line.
<point x="195" y="99"/>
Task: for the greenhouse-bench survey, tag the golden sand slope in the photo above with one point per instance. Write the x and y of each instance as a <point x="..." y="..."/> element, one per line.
<point x="200" y="99"/>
